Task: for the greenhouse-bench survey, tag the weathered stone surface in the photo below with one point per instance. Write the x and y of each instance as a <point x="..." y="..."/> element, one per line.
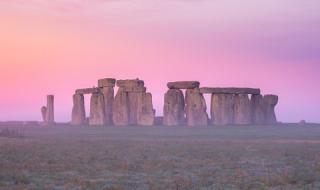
<point x="196" y="109"/>
<point x="78" y="110"/>
<point x="44" y="113"/>
<point x="108" y="93"/>
<point x="270" y="102"/>
<point x="183" y="85"/>
<point x="258" y="109"/>
<point x="146" y="113"/>
<point x="106" y="82"/>
<point x="208" y="90"/>
<point x="135" y="89"/>
<point x="50" y="109"/>
<point x="242" y="110"/>
<point x="120" y="108"/>
<point x="222" y="109"/>
<point x="133" y="99"/>
<point x="130" y="83"/>
<point x="88" y="90"/>
<point x="97" y="113"/>
<point x="173" y="110"/>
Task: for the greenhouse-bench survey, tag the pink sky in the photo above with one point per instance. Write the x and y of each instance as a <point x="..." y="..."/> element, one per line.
<point x="56" y="46"/>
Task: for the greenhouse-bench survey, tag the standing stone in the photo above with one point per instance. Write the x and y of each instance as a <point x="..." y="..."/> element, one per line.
<point x="78" y="110"/>
<point x="120" y="108"/>
<point x="196" y="109"/>
<point x="44" y="114"/>
<point x="146" y="113"/>
<point x="173" y="110"/>
<point x="242" y="110"/>
<point x="133" y="99"/>
<point x="108" y="94"/>
<point x="270" y="102"/>
<point x="50" y="109"/>
<point x="97" y="113"/>
<point x="258" y="109"/>
<point x="222" y="109"/>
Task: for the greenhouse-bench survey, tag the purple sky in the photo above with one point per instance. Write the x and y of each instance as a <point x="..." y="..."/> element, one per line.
<point x="56" y="46"/>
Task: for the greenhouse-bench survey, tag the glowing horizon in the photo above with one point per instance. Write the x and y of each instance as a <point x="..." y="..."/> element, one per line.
<point x="55" y="47"/>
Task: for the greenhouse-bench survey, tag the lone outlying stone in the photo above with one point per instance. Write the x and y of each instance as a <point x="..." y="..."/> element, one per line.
<point x="47" y="112"/>
<point x="44" y="114"/>
<point x="183" y="85"/>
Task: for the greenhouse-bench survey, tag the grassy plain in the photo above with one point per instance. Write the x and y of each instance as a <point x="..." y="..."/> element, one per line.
<point x="234" y="157"/>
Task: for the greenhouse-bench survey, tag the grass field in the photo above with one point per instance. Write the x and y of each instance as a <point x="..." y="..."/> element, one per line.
<point x="246" y="157"/>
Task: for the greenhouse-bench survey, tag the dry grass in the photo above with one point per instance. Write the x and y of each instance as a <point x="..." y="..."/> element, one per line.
<point x="64" y="157"/>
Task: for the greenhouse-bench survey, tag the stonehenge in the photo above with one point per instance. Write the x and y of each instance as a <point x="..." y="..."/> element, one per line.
<point x="184" y="104"/>
<point x="131" y="105"/>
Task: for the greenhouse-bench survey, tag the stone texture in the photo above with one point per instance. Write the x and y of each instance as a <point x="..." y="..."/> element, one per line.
<point x="108" y="93"/>
<point x="242" y="109"/>
<point x="44" y="113"/>
<point x="173" y="111"/>
<point x="78" y="110"/>
<point x="120" y="108"/>
<point x="270" y="102"/>
<point x="88" y="90"/>
<point x="258" y="109"/>
<point x="146" y="113"/>
<point x="106" y="82"/>
<point x="97" y="113"/>
<point x="222" y="109"/>
<point x="208" y="90"/>
<point x="130" y="83"/>
<point x="183" y="85"/>
<point x="196" y="109"/>
<point x="133" y="99"/>
<point x="50" y="109"/>
<point x="135" y="89"/>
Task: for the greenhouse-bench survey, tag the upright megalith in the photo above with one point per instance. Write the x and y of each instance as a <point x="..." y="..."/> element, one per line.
<point x="120" y="108"/>
<point x="97" y="113"/>
<point x="196" y="109"/>
<point x="173" y="110"/>
<point x="107" y="89"/>
<point x="270" y="102"/>
<point x="242" y="109"/>
<point x="50" y="109"/>
<point x="222" y="109"/>
<point x="78" y="110"/>
<point x="44" y="114"/>
<point x="146" y="113"/>
<point x="258" y="109"/>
